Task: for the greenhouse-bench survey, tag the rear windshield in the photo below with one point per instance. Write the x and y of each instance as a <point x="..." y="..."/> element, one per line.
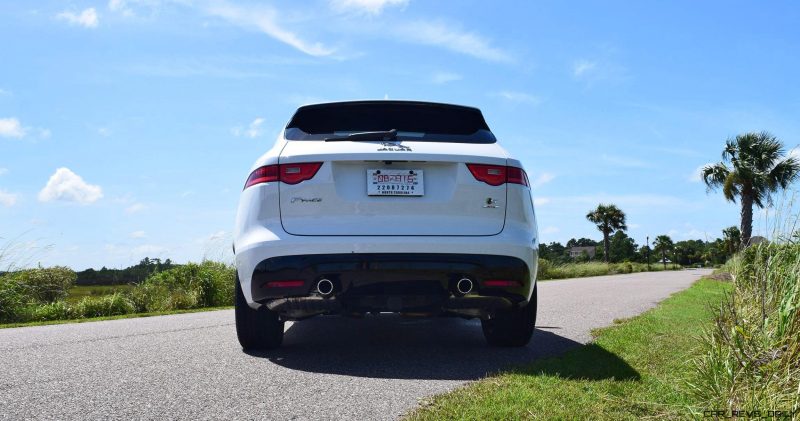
<point x="419" y="121"/>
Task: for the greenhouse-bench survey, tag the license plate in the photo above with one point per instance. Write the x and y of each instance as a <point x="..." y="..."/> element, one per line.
<point x="385" y="182"/>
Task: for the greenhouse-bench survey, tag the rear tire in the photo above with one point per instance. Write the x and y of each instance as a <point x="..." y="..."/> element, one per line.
<point x="513" y="327"/>
<point x="259" y="329"/>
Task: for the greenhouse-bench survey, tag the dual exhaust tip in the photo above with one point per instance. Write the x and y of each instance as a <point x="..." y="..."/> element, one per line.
<point x="464" y="286"/>
<point x="325" y="287"/>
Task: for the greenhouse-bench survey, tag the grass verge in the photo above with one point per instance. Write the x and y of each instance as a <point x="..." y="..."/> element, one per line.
<point x="119" y="316"/>
<point x="638" y="368"/>
<point x="78" y="292"/>
<point x="550" y="271"/>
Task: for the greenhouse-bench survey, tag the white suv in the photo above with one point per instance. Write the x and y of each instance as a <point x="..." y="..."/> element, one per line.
<point x="386" y="206"/>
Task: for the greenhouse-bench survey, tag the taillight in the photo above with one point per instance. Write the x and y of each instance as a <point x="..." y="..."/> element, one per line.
<point x="517" y="176"/>
<point x="288" y="173"/>
<point x="266" y="174"/>
<point x="495" y="175"/>
<point x="295" y="173"/>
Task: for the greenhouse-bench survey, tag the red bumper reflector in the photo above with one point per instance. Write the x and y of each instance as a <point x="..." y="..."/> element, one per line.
<point x="294" y="283"/>
<point x="501" y="283"/>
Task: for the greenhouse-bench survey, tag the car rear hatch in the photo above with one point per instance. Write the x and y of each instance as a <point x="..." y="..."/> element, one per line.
<point x="417" y="184"/>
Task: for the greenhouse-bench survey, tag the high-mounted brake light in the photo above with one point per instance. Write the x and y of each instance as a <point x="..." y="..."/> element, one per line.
<point x="287" y="173"/>
<point x="495" y="175"/>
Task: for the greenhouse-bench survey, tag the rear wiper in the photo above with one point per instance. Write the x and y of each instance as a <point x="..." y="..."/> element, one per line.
<point x="377" y="135"/>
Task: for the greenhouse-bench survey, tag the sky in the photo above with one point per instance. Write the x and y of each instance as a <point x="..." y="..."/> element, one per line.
<point x="127" y="127"/>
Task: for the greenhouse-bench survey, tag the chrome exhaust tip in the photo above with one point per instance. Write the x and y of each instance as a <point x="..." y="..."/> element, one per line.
<point x="325" y="286"/>
<point x="464" y="286"/>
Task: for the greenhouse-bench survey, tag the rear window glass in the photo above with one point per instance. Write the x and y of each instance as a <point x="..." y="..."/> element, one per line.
<point x="419" y="121"/>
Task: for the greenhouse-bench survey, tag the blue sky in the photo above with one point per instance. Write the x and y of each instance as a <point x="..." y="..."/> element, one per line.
<point x="127" y="127"/>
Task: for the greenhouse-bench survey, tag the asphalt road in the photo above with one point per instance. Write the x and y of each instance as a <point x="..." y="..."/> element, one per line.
<point x="191" y="367"/>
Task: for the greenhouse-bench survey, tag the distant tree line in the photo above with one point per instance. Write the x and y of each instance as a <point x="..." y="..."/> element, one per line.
<point x="622" y="248"/>
<point x="130" y="275"/>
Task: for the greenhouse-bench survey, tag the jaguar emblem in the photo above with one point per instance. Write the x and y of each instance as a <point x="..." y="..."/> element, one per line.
<point x="392" y="146"/>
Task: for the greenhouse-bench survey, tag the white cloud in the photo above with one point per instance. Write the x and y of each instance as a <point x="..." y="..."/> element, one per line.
<point x="217" y="236"/>
<point x="149" y="250"/>
<point x="3" y="171"/>
<point x="135" y="208"/>
<point x="138" y="234"/>
<point x="7" y="199"/>
<point x="87" y="18"/>
<point x="795" y="153"/>
<point x="120" y="6"/>
<point x="11" y="127"/>
<point x="539" y="201"/>
<point x="520" y="97"/>
<point x="440" y="78"/>
<point x="253" y="130"/>
<point x="583" y="67"/>
<point x="368" y="7"/>
<point x="4" y="92"/>
<point x="67" y="186"/>
<point x="542" y="179"/>
<point x="697" y="174"/>
<point x="266" y="20"/>
<point x="104" y="131"/>
<point x="550" y="230"/>
<point x="443" y="35"/>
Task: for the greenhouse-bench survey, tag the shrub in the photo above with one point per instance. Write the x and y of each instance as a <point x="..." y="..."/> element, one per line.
<point x="544" y="269"/>
<point x="59" y="310"/>
<point x="13" y="300"/>
<point x="109" y="305"/>
<point x="193" y="285"/>
<point x="45" y="285"/>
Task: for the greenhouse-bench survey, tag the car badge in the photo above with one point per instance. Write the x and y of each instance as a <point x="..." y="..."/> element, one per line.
<point x="393" y="146"/>
<point x="306" y="200"/>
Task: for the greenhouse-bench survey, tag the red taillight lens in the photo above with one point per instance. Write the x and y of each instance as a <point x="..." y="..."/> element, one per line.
<point x="288" y="173"/>
<point x="266" y="174"/>
<point x="295" y="173"/>
<point x="501" y="283"/>
<point x="292" y="283"/>
<point x="517" y="176"/>
<point x="495" y="175"/>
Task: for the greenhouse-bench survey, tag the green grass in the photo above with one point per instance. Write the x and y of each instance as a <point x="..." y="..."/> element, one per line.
<point x="751" y="357"/>
<point x="549" y="271"/>
<point x="76" y="293"/>
<point x="638" y="368"/>
<point x="121" y="316"/>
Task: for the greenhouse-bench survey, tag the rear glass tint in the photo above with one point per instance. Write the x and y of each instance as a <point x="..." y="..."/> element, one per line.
<point x="419" y="121"/>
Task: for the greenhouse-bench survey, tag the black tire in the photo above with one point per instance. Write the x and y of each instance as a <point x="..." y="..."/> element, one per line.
<point x="256" y="329"/>
<point x="513" y="327"/>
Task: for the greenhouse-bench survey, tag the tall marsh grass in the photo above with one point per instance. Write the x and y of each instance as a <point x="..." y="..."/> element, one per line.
<point x="751" y="358"/>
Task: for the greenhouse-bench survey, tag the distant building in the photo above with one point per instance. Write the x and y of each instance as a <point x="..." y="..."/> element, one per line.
<point x="575" y="252"/>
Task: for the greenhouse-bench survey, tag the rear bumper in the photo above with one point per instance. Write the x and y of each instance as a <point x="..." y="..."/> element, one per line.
<point x="398" y="282"/>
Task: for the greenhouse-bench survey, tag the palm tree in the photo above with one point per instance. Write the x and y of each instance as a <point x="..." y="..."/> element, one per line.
<point x="733" y="238"/>
<point x="662" y="245"/>
<point x="758" y="168"/>
<point x="608" y="219"/>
